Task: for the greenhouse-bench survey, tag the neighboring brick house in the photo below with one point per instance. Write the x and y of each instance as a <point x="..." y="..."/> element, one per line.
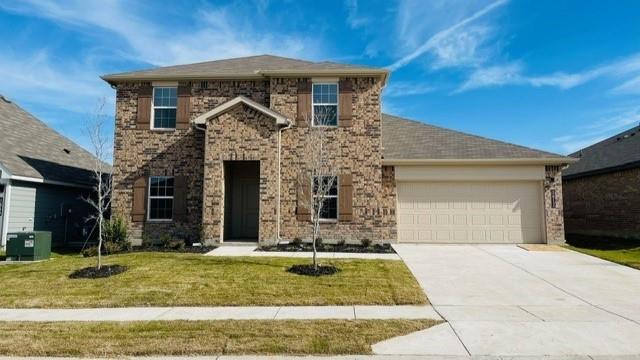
<point x="201" y="149"/>
<point x="602" y="190"/>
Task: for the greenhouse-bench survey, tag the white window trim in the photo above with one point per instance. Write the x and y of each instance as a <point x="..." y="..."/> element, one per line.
<point x="337" y="196"/>
<point x="154" y="107"/>
<point x="157" y="197"/>
<point x="337" y="104"/>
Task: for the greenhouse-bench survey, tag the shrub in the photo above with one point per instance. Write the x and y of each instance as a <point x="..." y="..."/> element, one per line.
<point x="165" y="239"/>
<point x="90" y="251"/>
<point x="115" y="231"/>
<point x="176" y="244"/>
<point x="146" y="242"/>
<point x="365" y="242"/>
<point x="341" y="242"/>
<point x="296" y="241"/>
<point x="319" y="242"/>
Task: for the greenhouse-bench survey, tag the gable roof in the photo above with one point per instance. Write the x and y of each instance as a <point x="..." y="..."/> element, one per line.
<point x="250" y="67"/>
<point x="410" y="141"/>
<point x="32" y="151"/>
<point x="279" y="118"/>
<point x="615" y="153"/>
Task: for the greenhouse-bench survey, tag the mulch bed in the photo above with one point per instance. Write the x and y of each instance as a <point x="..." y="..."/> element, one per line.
<point x="187" y="249"/>
<point x="310" y="270"/>
<point x="346" y="248"/>
<point x="93" y="272"/>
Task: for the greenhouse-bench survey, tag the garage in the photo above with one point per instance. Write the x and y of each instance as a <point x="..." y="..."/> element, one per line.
<point x="470" y="204"/>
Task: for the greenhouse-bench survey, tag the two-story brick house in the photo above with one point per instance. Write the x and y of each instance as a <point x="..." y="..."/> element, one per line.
<point x="214" y="148"/>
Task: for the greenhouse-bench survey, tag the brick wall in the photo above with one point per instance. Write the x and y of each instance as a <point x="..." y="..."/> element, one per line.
<point x="605" y="204"/>
<point x="245" y="134"/>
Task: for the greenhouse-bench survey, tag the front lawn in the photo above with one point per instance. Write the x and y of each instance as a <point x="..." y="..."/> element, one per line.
<point x="113" y="339"/>
<point x="170" y="279"/>
<point x="621" y="251"/>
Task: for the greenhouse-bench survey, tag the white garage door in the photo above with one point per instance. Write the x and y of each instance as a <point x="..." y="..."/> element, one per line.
<point x="470" y="212"/>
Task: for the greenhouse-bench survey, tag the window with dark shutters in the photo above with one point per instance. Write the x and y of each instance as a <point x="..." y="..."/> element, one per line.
<point x="303" y="213"/>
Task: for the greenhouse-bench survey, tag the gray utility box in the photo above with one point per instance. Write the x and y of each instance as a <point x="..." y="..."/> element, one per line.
<point x="28" y="246"/>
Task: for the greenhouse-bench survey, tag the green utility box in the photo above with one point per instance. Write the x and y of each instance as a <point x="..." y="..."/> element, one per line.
<point x="27" y="246"/>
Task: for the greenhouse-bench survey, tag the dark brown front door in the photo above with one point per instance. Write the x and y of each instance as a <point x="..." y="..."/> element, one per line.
<point x="244" y="198"/>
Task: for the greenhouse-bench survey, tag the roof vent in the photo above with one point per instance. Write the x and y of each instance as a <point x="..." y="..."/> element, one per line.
<point x="66" y="150"/>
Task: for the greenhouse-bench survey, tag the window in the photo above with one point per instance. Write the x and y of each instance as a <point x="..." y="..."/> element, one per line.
<point x="325" y="104"/>
<point x="160" y="198"/>
<point x="327" y="185"/>
<point x="164" y="107"/>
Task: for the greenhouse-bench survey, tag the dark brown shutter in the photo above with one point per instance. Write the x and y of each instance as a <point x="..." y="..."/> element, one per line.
<point x="184" y="107"/>
<point x="139" y="206"/>
<point x="304" y="199"/>
<point x="345" y="198"/>
<point x="179" y="198"/>
<point x="144" y="107"/>
<point x="345" y="102"/>
<point x="304" y="103"/>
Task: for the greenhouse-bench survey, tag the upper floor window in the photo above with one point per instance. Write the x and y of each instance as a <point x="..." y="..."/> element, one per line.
<point x="160" y="198"/>
<point x="326" y="188"/>
<point x="164" y="107"/>
<point x="325" y="104"/>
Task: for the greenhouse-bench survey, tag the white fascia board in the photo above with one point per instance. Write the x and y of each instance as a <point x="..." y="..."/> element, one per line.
<point x="280" y="119"/>
<point x="515" y="161"/>
<point x="50" y="182"/>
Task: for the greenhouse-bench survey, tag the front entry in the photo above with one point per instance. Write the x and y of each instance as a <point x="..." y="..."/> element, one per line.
<point x="242" y="199"/>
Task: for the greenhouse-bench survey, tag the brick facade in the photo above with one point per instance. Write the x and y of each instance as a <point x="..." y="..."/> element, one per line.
<point x="604" y="204"/>
<point x="553" y="217"/>
<point x="245" y="134"/>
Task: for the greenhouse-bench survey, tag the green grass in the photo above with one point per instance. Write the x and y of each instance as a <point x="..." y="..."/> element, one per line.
<point x="170" y="279"/>
<point x="112" y="339"/>
<point x="621" y="251"/>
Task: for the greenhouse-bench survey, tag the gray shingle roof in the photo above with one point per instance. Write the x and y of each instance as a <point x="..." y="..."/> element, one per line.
<point x="619" y="151"/>
<point x="251" y="66"/>
<point x="413" y="140"/>
<point x="30" y="148"/>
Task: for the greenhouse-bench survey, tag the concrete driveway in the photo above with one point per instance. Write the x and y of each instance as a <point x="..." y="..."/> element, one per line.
<point x="504" y="300"/>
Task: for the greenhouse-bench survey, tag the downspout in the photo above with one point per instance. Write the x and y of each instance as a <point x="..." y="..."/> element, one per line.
<point x="288" y="126"/>
<point x="5" y="214"/>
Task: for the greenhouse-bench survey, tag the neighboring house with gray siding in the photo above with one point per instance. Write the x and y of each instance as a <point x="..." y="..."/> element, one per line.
<point x="214" y="149"/>
<point x="42" y="178"/>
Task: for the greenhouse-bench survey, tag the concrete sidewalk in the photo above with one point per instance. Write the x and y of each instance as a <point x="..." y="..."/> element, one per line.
<point x="222" y="313"/>
<point x="342" y="357"/>
<point x="251" y="251"/>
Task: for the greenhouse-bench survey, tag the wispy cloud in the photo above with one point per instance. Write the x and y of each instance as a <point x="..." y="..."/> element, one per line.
<point x="407" y="88"/>
<point x="513" y="74"/>
<point x="599" y="129"/>
<point x="354" y="18"/>
<point x="455" y="45"/>
<point x="214" y="35"/>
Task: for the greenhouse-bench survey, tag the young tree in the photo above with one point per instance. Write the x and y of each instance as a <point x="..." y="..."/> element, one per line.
<point x="101" y="147"/>
<point x="318" y="171"/>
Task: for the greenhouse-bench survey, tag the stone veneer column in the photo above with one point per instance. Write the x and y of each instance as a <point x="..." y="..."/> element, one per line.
<point x="554" y="220"/>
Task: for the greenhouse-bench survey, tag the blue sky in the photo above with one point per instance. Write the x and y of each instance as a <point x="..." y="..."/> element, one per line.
<point x="554" y="75"/>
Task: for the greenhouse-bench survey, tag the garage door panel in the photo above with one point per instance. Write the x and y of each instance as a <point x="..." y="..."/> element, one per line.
<point x="470" y="212"/>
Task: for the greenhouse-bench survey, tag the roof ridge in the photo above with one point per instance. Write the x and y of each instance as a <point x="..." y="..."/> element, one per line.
<point x="418" y="122"/>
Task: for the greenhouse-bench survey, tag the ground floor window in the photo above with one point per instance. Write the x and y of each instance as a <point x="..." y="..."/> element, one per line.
<point x="160" y="198"/>
<point x="326" y="188"/>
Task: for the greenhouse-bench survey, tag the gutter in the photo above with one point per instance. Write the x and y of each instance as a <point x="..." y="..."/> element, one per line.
<point x="522" y="161"/>
<point x="5" y="214"/>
